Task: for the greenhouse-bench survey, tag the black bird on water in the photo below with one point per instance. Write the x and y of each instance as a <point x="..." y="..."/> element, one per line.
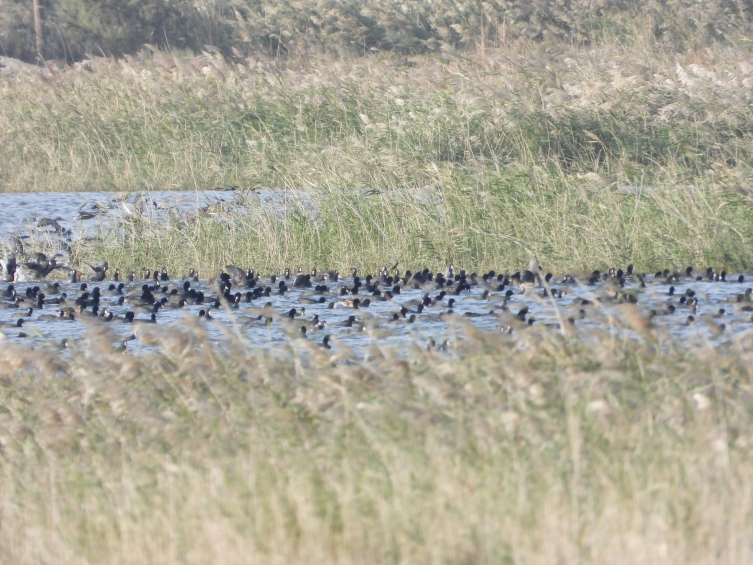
<point x="38" y="268"/>
<point x="99" y="271"/>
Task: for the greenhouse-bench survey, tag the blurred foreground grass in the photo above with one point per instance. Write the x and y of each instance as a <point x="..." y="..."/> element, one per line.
<point x="523" y="448"/>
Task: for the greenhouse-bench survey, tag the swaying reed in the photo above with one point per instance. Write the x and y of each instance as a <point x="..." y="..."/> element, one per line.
<point x="589" y="158"/>
<point x="602" y="447"/>
<point x="293" y="28"/>
<point x="568" y="228"/>
<point x="608" y="115"/>
<point x="528" y="447"/>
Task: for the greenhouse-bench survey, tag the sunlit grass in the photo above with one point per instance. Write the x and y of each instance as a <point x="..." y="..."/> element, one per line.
<point x="452" y="160"/>
<point x="524" y="448"/>
<point x="160" y="122"/>
<point x="570" y="228"/>
<point x="530" y="448"/>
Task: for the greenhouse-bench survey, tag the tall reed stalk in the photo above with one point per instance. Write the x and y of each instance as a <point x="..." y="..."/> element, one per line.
<point x="527" y="448"/>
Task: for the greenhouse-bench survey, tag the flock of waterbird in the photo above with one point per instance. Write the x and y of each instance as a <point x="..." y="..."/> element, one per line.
<point x="353" y="303"/>
<point x="117" y="210"/>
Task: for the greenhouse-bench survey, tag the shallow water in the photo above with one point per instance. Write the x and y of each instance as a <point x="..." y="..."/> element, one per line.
<point x="19" y="213"/>
<point x="469" y="306"/>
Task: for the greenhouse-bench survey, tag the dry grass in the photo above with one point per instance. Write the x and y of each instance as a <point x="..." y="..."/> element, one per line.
<point x="452" y="160"/>
<point x="506" y="449"/>
<point x="621" y="115"/>
<point x="294" y="28"/>
<point x="529" y="448"/>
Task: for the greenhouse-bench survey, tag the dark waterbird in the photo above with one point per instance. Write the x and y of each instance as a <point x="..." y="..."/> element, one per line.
<point x="8" y="267"/>
<point x="38" y="268"/>
<point x="99" y="271"/>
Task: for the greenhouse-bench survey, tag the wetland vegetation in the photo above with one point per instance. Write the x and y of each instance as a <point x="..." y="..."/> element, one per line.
<point x="506" y="449"/>
<point x="592" y="137"/>
<point x="589" y="156"/>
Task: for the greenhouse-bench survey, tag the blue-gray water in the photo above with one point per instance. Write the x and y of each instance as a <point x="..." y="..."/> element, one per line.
<point x="428" y="325"/>
<point x="19" y="212"/>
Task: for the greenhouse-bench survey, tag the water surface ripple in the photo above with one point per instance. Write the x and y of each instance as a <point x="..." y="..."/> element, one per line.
<point x="19" y="213"/>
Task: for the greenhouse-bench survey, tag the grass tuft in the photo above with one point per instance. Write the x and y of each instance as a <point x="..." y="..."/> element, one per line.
<point x="589" y="158"/>
<point x="504" y="449"/>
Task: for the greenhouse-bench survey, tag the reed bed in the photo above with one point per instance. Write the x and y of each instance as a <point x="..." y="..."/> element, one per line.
<point x="569" y="229"/>
<point x="156" y="121"/>
<point x="620" y="445"/>
<point x="588" y="157"/>
<point x="523" y="448"/>
<point x="294" y="28"/>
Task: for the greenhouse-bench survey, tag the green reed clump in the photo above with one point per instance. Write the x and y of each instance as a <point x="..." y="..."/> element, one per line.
<point x="502" y="449"/>
<point x="488" y="223"/>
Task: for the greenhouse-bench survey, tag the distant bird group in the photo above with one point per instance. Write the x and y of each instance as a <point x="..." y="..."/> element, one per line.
<point x="439" y="296"/>
<point x="35" y="269"/>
